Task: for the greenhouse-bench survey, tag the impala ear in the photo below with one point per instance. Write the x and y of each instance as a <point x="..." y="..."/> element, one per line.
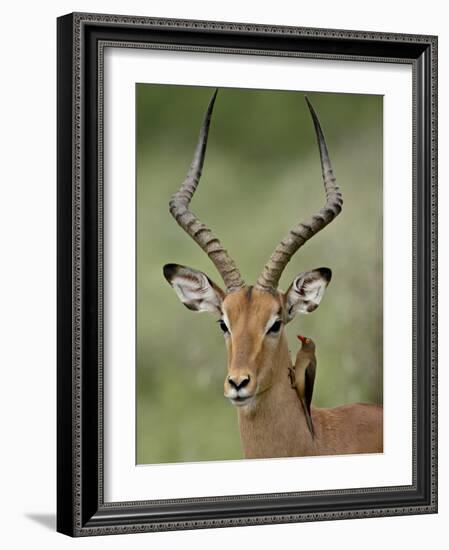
<point x="195" y="290"/>
<point x="306" y="291"/>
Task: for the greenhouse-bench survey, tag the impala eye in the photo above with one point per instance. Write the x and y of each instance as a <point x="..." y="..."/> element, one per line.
<point x="275" y="327"/>
<point x="223" y="326"/>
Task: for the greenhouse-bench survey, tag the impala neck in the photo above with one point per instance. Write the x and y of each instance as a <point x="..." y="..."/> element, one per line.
<point x="276" y="426"/>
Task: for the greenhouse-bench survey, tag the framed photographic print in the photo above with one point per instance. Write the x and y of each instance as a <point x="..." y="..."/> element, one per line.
<point x="282" y="181"/>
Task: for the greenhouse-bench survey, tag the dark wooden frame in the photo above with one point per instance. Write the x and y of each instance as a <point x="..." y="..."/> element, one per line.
<point x="81" y="509"/>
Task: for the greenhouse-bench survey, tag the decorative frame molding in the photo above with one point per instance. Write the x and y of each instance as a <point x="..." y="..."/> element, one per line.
<point x="81" y="41"/>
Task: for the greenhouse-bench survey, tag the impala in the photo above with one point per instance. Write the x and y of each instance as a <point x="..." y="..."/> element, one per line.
<point x="271" y="419"/>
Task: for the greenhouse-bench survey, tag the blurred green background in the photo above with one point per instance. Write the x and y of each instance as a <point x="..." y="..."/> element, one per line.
<point x="261" y="175"/>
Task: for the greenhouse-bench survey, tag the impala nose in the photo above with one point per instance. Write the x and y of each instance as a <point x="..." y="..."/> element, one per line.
<point x="239" y="382"/>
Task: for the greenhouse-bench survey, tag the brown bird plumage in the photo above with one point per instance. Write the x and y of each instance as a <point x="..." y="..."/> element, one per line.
<point x="302" y="377"/>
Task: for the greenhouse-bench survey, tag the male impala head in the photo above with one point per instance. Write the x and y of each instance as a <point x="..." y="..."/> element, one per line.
<point x="252" y="318"/>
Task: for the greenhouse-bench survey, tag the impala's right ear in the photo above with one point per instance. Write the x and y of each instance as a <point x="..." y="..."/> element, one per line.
<point x="195" y="290"/>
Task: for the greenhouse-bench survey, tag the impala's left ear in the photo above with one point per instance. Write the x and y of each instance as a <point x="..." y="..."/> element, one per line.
<point x="306" y="291"/>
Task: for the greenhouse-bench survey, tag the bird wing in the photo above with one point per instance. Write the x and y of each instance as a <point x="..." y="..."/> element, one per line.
<point x="309" y="382"/>
<point x="304" y="380"/>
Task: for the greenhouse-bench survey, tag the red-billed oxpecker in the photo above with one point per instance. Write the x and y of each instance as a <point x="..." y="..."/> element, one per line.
<point x="302" y="376"/>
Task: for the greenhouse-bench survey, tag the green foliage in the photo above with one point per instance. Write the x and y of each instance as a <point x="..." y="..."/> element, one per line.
<point x="261" y="175"/>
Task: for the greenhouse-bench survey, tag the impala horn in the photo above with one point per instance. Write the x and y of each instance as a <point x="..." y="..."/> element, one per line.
<point x="179" y="209"/>
<point x="303" y="231"/>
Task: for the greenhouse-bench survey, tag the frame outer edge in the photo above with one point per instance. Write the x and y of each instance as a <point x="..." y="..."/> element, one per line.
<point x="434" y="272"/>
<point x="65" y="424"/>
<point x="233" y="26"/>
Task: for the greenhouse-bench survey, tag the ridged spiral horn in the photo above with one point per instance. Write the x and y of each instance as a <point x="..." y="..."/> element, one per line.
<point x="303" y="231"/>
<point x="179" y="209"/>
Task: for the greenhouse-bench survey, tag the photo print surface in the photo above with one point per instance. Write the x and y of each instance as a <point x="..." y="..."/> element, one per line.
<point x="285" y="356"/>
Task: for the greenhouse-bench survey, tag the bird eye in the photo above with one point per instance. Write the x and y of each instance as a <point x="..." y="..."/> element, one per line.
<point x="223" y="326"/>
<point x="275" y="327"/>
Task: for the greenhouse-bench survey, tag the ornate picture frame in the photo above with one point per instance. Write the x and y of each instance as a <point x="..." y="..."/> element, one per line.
<point x="81" y="507"/>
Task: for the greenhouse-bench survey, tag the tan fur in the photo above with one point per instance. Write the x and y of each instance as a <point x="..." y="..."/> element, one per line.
<point x="272" y="423"/>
